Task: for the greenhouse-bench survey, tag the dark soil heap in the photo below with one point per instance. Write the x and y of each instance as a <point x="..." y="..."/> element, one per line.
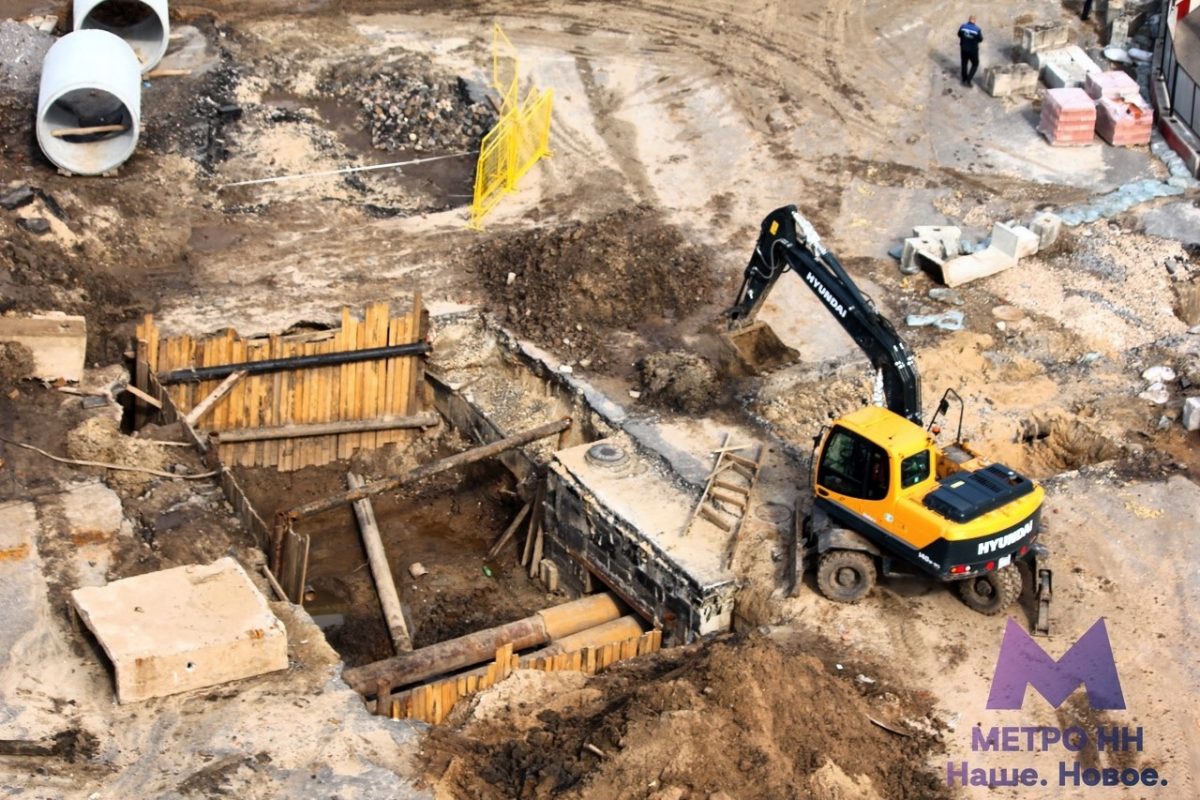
<point x="411" y="106"/>
<point x="679" y="380"/>
<point x="749" y="719"/>
<point x="576" y="286"/>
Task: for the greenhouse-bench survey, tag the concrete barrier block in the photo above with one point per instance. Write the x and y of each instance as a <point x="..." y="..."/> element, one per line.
<point x="1047" y="226"/>
<point x="58" y="344"/>
<point x="184" y="628"/>
<point x="1007" y="79"/>
<point x="1043" y="36"/>
<point x="1191" y="414"/>
<point x="987" y="262"/>
<point x="1006" y="240"/>
<point x="1027" y="241"/>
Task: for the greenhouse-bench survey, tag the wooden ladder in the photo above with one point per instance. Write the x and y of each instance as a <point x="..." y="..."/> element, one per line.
<point x="725" y="500"/>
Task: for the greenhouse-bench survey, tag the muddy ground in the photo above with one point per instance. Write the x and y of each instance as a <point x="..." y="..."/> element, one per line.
<point x="676" y="128"/>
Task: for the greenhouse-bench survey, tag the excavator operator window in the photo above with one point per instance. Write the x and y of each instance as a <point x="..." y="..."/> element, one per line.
<point x="854" y="466"/>
<point x="914" y="469"/>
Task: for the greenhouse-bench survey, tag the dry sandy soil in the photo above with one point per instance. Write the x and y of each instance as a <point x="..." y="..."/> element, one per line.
<point x="676" y="128"/>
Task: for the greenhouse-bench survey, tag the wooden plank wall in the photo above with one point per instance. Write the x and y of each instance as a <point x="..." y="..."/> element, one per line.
<point x="433" y="701"/>
<point x="366" y="390"/>
<point x="249" y="516"/>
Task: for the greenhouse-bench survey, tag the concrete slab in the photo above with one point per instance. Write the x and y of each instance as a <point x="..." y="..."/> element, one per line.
<point x="977" y="265"/>
<point x="1043" y="36"/>
<point x="1007" y="79"/>
<point x="184" y="628"/>
<point x="18" y="572"/>
<point x="1047" y="226"/>
<point x="58" y="343"/>
<point x="1191" y="414"/>
<point x="93" y="513"/>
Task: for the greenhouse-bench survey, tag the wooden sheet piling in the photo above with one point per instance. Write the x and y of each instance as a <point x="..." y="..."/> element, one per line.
<point x="385" y="586"/>
<point x="208" y="402"/>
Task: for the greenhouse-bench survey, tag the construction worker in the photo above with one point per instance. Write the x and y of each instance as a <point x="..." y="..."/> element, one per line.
<point x="969" y="37"/>
<point x="1087" y="10"/>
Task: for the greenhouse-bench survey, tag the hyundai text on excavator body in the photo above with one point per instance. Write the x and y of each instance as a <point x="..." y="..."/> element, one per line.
<point x="887" y="498"/>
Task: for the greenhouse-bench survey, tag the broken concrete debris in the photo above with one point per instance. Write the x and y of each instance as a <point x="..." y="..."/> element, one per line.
<point x="946" y="321"/>
<point x="936" y="248"/>
<point x="1191" y="414"/>
<point x="184" y="628"/>
<point x="35" y="225"/>
<point x="15" y="198"/>
<point x="929" y="246"/>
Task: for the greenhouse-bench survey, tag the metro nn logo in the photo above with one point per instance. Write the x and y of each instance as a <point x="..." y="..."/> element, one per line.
<point x="1023" y="661"/>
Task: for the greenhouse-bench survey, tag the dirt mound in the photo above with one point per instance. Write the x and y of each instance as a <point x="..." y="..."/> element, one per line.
<point x="100" y="439"/>
<point x="1044" y="447"/>
<point x="16" y="362"/>
<point x="692" y="725"/>
<point x="409" y="105"/>
<point x="678" y="380"/>
<point x="576" y="288"/>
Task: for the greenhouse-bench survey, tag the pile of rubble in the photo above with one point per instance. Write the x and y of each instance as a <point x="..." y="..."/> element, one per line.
<point x="409" y="108"/>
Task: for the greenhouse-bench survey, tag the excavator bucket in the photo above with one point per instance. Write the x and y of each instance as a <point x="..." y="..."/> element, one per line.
<point x="754" y="350"/>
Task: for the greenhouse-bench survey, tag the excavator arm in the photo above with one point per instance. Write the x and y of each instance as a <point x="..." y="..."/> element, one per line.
<point x="788" y="242"/>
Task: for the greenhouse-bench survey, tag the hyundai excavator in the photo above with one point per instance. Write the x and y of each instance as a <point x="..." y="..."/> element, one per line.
<point x="887" y="498"/>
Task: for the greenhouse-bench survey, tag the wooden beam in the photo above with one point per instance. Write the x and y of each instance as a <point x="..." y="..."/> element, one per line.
<point x="509" y="531"/>
<point x="207" y="403"/>
<point x="61" y="132"/>
<point x="426" y="420"/>
<point x="145" y="398"/>
<point x="385" y="585"/>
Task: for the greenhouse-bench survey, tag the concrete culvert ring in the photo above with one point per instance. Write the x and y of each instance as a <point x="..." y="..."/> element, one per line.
<point x="607" y="454"/>
<point x="90" y="80"/>
<point x="142" y="24"/>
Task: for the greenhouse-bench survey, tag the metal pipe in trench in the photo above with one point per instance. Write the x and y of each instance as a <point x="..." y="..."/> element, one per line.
<point x="193" y="374"/>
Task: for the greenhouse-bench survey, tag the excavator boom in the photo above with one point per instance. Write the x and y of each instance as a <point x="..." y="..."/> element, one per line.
<point x="788" y="242"/>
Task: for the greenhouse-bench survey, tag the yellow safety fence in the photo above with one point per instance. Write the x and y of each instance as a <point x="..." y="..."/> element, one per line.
<point x="520" y="137"/>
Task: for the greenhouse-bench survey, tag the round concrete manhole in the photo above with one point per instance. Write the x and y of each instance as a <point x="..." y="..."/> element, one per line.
<point x="607" y="454"/>
<point x="775" y="513"/>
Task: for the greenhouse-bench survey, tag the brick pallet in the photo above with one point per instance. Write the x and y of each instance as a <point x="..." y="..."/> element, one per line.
<point x="1110" y="84"/>
<point x="1124" y="122"/>
<point x="1068" y="117"/>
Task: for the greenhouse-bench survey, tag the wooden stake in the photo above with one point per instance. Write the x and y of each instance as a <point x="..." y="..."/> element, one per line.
<point x="61" y="132"/>
<point x="385" y="585"/>
<point x="508" y="533"/>
<point x="204" y="405"/>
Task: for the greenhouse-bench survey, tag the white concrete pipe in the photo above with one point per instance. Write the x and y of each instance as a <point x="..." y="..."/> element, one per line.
<point x="89" y="103"/>
<point x="143" y="24"/>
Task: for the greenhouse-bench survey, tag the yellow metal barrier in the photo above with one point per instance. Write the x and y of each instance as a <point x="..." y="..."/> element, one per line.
<point x="520" y="137"/>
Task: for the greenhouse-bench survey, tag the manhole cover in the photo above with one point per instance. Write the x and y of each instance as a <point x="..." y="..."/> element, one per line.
<point x="607" y="454"/>
<point x="775" y="513"/>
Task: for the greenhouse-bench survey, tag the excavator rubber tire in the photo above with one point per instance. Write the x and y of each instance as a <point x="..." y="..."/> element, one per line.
<point x="993" y="592"/>
<point x="845" y="576"/>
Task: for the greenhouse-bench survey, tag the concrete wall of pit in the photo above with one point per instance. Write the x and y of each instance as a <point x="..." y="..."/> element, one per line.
<point x="90" y="79"/>
<point x="143" y="25"/>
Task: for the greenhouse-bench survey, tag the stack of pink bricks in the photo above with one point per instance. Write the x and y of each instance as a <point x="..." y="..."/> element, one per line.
<point x="1124" y="122"/>
<point x="1068" y="117"/>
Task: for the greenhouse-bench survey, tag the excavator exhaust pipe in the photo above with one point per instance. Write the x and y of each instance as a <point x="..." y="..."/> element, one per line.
<point x="755" y="350"/>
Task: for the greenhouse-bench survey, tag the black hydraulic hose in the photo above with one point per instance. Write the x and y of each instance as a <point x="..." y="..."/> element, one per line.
<point x="193" y="374"/>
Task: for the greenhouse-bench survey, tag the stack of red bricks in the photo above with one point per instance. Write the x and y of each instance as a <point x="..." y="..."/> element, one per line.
<point x="1123" y="118"/>
<point x="1068" y="117"/>
<point x="1113" y="83"/>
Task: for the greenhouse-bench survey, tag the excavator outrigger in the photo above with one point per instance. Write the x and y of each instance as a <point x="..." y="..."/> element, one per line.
<point x="887" y="497"/>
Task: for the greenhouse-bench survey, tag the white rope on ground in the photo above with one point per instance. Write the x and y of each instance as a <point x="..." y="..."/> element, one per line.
<point x="345" y="170"/>
<point x="106" y="465"/>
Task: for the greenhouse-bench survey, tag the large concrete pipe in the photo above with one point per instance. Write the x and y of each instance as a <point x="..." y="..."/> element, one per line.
<point x="89" y="103"/>
<point x="143" y="24"/>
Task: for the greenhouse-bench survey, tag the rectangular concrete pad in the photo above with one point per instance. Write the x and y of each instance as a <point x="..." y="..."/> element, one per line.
<point x="977" y="265"/>
<point x="58" y="343"/>
<point x="184" y="628"/>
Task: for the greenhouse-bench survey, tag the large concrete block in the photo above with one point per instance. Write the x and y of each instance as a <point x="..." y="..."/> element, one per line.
<point x="977" y="265"/>
<point x="93" y="513"/>
<point x="1043" y="36"/>
<point x="1007" y="79"/>
<point x="184" y="628"/>
<point x="58" y="344"/>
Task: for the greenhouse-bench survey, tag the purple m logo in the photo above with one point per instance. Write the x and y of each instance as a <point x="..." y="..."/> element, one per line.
<point x="1023" y="661"/>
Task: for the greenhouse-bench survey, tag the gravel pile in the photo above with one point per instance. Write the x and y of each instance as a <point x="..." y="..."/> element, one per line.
<point x="21" y="51"/>
<point x="409" y="108"/>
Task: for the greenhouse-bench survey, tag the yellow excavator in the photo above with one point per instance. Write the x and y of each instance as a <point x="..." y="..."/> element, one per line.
<point x="887" y="498"/>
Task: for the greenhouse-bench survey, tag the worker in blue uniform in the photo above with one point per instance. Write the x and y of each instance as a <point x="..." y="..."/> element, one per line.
<point x="969" y="37"/>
